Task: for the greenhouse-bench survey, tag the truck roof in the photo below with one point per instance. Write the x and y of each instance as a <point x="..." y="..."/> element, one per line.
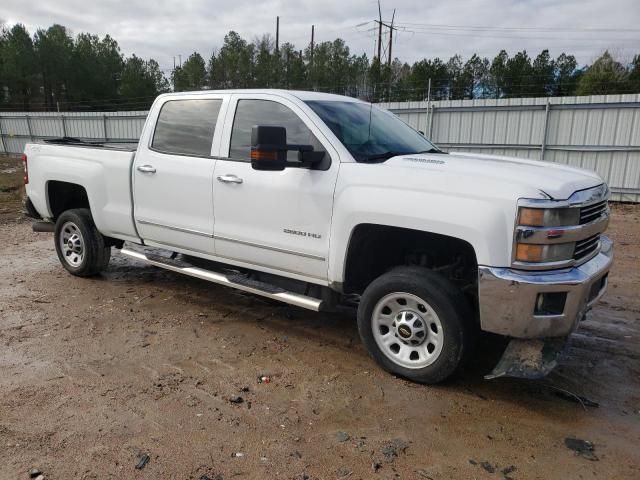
<point x="298" y="94"/>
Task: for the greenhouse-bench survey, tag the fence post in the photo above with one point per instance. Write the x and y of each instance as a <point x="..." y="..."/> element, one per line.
<point x="64" y="126"/>
<point x="4" y="146"/>
<point x="29" y="127"/>
<point x="428" y="129"/>
<point x="433" y="108"/>
<point x="104" y="125"/>
<point x="545" y="127"/>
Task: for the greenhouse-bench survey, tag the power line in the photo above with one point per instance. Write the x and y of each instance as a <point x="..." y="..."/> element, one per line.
<point x="542" y="29"/>
<point x="510" y="37"/>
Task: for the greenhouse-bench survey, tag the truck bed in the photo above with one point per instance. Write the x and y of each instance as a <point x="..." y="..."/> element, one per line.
<point x="102" y="169"/>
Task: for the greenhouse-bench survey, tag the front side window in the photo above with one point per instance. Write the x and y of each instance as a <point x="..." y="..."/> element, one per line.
<point x="185" y="127"/>
<point x="250" y="113"/>
<point x="370" y="133"/>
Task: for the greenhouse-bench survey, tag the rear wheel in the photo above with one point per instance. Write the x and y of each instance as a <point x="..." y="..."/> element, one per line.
<point x="81" y="248"/>
<point x="415" y="324"/>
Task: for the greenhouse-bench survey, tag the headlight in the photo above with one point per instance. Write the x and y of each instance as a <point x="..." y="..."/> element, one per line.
<point x="532" y="253"/>
<point x="548" y="217"/>
<point x="552" y="234"/>
<point x="537" y="230"/>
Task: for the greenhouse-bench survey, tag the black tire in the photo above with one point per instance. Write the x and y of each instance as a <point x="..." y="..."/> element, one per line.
<point x="95" y="253"/>
<point x="443" y="298"/>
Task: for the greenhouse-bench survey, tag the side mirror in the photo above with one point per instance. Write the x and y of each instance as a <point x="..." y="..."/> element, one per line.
<point x="310" y="157"/>
<point x="268" y="147"/>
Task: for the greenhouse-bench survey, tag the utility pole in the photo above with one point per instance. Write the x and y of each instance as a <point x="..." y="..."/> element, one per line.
<point x="180" y="60"/>
<point x="379" y="32"/>
<point x="277" y="32"/>
<point x="313" y="27"/>
<point x="391" y="28"/>
<point x="311" y="76"/>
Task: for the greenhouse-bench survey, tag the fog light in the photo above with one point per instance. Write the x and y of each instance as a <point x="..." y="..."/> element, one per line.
<point x="551" y="303"/>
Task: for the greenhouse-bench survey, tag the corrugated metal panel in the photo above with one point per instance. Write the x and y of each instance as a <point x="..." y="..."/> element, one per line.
<point x="46" y="126"/>
<point x="18" y="128"/>
<point x="599" y="132"/>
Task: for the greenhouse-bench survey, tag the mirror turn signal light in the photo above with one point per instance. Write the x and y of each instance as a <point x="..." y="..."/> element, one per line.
<point x="264" y="154"/>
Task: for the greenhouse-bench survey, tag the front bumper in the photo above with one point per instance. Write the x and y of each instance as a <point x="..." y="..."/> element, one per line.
<point x="507" y="297"/>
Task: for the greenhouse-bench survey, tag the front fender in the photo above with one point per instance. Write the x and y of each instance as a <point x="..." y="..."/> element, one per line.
<point x="485" y="223"/>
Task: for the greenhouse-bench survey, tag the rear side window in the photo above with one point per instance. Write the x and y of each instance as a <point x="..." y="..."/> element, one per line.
<point x="267" y="112"/>
<point x="185" y="127"/>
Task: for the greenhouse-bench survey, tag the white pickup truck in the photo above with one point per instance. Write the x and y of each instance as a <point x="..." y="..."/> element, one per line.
<point x="319" y="200"/>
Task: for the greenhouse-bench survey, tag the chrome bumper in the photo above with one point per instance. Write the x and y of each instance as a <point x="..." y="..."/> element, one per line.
<point x="507" y="297"/>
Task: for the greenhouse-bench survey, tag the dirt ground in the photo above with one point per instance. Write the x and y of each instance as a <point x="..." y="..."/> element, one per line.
<point x="95" y="372"/>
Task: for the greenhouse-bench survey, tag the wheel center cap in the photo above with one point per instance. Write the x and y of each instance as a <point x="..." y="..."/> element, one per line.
<point x="410" y="327"/>
<point x="404" y="331"/>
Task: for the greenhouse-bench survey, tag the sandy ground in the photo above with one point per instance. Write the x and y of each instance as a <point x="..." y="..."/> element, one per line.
<point x="94" y="372"/>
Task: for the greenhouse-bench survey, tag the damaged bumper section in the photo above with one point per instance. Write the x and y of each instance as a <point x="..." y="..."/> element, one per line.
<point x="538" y="310"/>
<point x="523" y="304"/>
<point x="530" y="359"/>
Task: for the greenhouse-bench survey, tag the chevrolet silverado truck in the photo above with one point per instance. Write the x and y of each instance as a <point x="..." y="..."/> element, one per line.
<point x="321" y="200"/>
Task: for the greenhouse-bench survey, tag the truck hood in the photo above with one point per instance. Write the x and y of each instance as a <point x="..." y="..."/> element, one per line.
<point x="546" y="179"/>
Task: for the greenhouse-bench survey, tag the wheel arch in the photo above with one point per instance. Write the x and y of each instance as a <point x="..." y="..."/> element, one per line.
<point x="374" y="249"/>
<point x="62" y="196"/>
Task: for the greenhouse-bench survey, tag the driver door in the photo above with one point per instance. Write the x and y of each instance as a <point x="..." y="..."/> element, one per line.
<point x="274" y="220"/>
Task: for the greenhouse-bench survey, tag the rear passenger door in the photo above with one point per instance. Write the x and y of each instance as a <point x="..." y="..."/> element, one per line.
<point x="173" y="175"/>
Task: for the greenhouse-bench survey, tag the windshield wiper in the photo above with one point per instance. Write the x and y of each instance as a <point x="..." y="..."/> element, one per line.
<point x="387" y="155"/>
<point x="382" y="156"/>
<point x="432" y="150"/>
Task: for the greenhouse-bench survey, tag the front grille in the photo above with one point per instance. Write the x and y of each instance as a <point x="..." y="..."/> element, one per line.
<point x="586" y="247"/>
<point x="592" y="212"/>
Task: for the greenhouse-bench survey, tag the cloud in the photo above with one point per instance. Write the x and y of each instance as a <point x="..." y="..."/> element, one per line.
<point x="165" y="28"/>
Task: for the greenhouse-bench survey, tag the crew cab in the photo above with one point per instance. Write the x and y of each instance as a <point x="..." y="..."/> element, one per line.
<point x="321" y="200"/>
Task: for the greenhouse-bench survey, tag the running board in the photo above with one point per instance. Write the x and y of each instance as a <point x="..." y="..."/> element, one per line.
<point x="269" y="291"/>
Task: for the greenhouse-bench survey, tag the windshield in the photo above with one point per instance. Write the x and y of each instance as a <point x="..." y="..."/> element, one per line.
<point x="370" y="133"/>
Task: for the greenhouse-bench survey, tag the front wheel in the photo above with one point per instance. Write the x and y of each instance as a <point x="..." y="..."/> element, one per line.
<point x="415" y="324"/>
<point x="80" y="246"/>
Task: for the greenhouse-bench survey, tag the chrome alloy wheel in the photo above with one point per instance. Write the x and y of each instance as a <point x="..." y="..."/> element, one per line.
<point x="72" y="244"/>
<point x="407" y="330"/>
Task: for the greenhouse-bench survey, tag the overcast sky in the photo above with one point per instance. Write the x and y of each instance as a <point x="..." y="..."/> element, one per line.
<point x="161" y="29"/>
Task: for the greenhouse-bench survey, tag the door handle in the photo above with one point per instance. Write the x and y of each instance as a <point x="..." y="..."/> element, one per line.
<point x="229" y="179"/>
<point x="146" y="169"/>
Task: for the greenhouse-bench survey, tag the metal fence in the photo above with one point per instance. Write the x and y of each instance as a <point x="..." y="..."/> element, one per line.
<point x="17" y="129"/>
<point x="601" y="133"/>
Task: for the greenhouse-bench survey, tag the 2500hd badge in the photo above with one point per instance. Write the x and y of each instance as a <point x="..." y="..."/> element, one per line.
<point x="301" y="233"/>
